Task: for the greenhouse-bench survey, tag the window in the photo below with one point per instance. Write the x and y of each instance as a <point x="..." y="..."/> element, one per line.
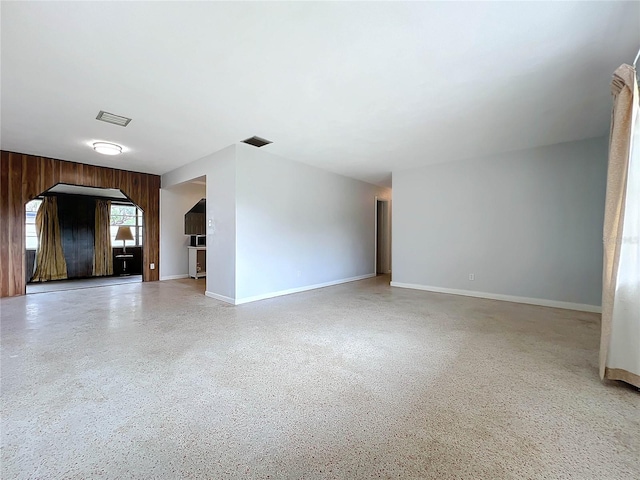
<point x="31" y="238"/>
<point x="126" y="215"/>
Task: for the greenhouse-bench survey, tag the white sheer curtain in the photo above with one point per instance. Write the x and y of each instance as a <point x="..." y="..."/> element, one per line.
<point x="621" y="312"/>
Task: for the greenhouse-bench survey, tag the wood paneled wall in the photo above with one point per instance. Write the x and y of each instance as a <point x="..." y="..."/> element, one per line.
<point x="24" y="177"/>
<point x="77" y="216"/>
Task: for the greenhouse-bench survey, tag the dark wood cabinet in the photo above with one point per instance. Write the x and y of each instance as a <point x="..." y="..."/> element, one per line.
<point x="194" y="224"/>
<point x="134" y="263"/>
<point x="194" y="219"/>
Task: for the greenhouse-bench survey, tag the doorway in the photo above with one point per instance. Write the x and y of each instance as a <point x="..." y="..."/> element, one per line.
<point x="183" y="233"/>
<point x="76" y="214"/>
<point x="382" y="237"/>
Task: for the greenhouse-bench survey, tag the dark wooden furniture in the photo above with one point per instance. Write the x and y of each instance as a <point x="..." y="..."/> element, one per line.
<point x="133" y="260"/>
<point x="194" y="221"/>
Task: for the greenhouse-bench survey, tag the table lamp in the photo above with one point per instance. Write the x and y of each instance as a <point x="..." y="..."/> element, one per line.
<point x="124" y="233"/>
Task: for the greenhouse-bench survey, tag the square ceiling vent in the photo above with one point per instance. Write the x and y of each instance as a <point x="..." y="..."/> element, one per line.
<point x="257" y="141"/>
<point x="114" y="119"/>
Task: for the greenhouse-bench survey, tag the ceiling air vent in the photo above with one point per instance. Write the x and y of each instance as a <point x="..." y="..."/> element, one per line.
<point x="257" y="141"/>
<point x="111" y="118"/>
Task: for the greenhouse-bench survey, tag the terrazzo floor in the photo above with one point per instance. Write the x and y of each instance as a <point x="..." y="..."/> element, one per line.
<point x="361" y="380"/>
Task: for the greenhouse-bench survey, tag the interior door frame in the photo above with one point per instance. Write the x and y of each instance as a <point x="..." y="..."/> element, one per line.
<point x="387" y="206"/>
<point x="375" y="235"/>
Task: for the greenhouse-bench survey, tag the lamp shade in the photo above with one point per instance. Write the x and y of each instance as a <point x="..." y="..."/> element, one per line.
<point x="124" y="233"/>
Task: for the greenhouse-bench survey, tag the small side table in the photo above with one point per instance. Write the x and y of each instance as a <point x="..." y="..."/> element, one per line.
<point x="124" y="257"/>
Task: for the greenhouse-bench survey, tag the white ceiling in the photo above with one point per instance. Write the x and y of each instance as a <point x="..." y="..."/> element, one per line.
<point x="357" y="88"/>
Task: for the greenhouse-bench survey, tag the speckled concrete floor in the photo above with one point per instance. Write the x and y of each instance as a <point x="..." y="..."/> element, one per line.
<point x="360" y="380"/>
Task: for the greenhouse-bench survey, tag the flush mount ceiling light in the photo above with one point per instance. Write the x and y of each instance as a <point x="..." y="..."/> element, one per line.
<point x="106" y="148"/>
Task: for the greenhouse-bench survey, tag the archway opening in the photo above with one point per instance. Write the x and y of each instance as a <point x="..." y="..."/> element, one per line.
<point x="113" y="234"/>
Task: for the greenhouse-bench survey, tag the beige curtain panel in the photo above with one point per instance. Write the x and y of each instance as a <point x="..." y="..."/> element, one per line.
<point x="620" y="337"/>
<point x="102" y="253"/>
<point x="50" y="263"/>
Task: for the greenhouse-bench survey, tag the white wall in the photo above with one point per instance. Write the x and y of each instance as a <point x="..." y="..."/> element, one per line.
<point x="527" y="224"/>
<point x="219" y="169"/>
<point x="280" y="225"/>
<point x="299" y="226"/>
<point x="174" y="203"/>
<point x="221" y="234"/>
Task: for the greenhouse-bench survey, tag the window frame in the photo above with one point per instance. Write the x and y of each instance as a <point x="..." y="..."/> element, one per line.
<point x="137" y="229"/>
<point x="26" y="234"/>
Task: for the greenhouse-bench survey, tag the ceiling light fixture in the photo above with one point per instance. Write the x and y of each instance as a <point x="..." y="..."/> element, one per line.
<point x="106" y="148"/>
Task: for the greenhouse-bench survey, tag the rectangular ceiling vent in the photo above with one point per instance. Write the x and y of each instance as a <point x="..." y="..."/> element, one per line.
<point x="257" y="141"/>
<point x="111" y="118"/>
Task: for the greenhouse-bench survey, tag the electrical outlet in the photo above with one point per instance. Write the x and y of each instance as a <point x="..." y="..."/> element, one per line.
<point x="152" y="266"/>
<point x="472" y="276"/>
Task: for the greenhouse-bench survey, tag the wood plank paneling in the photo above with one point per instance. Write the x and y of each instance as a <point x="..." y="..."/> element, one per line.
<point x="4" y="221"/>
<point x="23" y="177"/>
<point x="16" y="229"/>
<point x="77" y="215"/>
<point x="30" y="183"/>
<point x="153" y="229"/>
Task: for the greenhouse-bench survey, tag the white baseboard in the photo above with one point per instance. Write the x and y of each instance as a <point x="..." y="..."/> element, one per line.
<point x="220" y="297"/>
<point x="174" y="277"/>
<point x="255" y="298"/>
<point x="506" y="298"/>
